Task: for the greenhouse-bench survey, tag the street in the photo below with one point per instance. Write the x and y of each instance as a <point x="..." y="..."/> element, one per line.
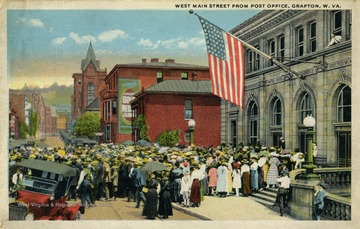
<point x="123" y="210"/>
<point x="54" y="141"/>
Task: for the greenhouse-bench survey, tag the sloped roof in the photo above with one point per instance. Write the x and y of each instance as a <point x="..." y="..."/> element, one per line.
<point x="90" y="57"/>
<point x="164" y="65"/>
<point x="181" y="86"/>
<point x="93" y="106"/>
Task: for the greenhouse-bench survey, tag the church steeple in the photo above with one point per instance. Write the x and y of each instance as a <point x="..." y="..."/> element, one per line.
<point x="90" y="57"/>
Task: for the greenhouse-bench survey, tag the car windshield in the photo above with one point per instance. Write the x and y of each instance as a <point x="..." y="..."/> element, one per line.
<point x="36" y="184"/>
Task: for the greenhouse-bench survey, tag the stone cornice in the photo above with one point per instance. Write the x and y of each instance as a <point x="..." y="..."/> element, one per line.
<point x="252" y="28"/>
<point x="310" y="56"/>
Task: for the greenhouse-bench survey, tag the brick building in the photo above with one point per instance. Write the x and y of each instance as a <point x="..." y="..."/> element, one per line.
<point x="125" y="80"/>
<point x="50" y="121"/>
<point x="14" y="125"/>
<point x="170" y="104"/>
<point x="277" y="102"/>
<point x="87" y="84"/>
<point x="22" y="102"/>
<point x="18" y="102"/>
<point x="62" y="121"/>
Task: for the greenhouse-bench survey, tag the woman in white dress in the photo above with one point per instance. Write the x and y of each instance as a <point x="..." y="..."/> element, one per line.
<point x="236" y="175"/>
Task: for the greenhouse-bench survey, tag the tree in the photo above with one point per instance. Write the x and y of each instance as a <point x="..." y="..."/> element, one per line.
<point x="34" y="123"/>
<point x="169" y="138"/>
<point x="23" y="130"/>
<point x="87" y="125"/>
<point x="140" y="122"/>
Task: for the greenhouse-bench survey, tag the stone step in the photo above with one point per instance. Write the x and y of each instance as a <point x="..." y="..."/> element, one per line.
<point x="264" y="198"/>
<point x="269" y="193"/>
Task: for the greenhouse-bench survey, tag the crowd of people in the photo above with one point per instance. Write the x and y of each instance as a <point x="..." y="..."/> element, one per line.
<point x="110" y="171"/>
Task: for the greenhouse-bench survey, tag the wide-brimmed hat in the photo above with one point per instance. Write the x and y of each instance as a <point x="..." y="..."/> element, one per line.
<point x="245" y="161"/>
<point x="139" y="163"/>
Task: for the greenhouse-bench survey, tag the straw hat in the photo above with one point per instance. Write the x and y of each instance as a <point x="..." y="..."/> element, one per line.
<point x="245" y="161"/>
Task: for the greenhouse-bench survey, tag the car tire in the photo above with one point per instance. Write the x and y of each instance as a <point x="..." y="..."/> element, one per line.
<point x="77" y="215"/>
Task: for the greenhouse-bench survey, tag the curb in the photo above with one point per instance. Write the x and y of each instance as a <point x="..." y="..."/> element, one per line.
<point x="175" y="206"/>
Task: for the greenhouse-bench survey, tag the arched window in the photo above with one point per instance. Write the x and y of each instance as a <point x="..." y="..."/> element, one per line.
<point x="90" y="92"/>
<point x="277" y="112"/>
<point x="306" y="107"/>
<point x="253" y="122"/>
<point x="344" y="105"/>
<point x="343" y="127"/>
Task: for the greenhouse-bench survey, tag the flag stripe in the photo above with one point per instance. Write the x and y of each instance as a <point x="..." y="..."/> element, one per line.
<point x="226" y="63"/>
<point x="212" y="75"/>
<point x="232" y="66"/>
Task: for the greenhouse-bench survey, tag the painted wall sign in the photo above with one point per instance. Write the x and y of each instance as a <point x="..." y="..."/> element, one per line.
<point x="127" y="89"/>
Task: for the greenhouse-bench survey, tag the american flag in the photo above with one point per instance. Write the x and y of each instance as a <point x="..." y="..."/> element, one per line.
<point x="226" y="63"/>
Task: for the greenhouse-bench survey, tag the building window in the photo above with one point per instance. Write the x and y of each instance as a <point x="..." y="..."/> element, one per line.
<point x="108" y="109"/>
<point x="104" y="111"/>
<point x="184" y="75"/>
<point x="271" y="51"/>
<point x="114" y="107"/>
<point x="306" y="107"/>
<point x="234" y="132"/>
<point x="344" y="105"/>
<point x="108" y="132"/>
<point x="250" y="61"/>
<point x="277" y="112"/>
<point x="253" y="122"/>
<point x="188" y="109"/>
<point x="159" y="76"/>
<point x="312" y="38"/>
<point x="337" y="23"/>
<point x="257" y="59"/>
<point x="281" y="48"/>
<point x="276" y="115"/>
<point x="300" y="41"/>
<point x="90" y="92"/>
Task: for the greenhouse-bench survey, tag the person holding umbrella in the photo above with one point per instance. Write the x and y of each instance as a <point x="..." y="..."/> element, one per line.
<point x="151" y="202"/>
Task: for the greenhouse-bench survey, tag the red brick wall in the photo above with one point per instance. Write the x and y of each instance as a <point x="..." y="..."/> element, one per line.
<point x="147" y="77"/>
<point x="167" y="113"/>
<point x="17" y="103"/>
<point x="77" y="96"/>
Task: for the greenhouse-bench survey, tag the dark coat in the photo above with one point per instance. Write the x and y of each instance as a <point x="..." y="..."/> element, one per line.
<point x="150" y="207"/>
<point x="165" y="207"/>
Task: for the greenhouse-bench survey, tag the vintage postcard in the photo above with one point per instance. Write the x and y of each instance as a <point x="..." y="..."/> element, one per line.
<point x="178" y="113"/>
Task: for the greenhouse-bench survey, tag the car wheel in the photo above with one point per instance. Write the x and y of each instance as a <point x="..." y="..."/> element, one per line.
<point x="77" y="216"/>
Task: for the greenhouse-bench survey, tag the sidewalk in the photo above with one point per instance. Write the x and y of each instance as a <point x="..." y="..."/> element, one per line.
<point x="232" y="208"/>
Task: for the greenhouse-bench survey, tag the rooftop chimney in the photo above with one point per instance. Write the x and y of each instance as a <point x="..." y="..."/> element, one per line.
<point x="154" y="60"/>
<point x="170" y="61"/>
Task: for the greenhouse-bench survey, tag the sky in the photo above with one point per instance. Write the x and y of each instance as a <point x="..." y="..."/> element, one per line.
<point x="47" y="46"/>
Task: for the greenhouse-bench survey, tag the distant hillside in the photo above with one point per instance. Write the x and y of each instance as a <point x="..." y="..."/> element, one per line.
<point x="56" y="95"/>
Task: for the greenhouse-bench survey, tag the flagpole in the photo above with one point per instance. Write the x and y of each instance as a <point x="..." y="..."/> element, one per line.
<point x="278" y="63"/>
<point x="281" y="65"/>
